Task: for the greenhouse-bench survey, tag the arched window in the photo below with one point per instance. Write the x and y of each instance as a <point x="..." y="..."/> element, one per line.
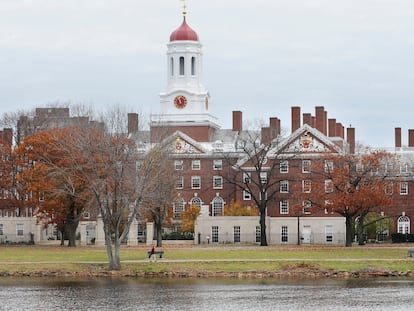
<point x="217" y="206"/>
<point x="178" y="208"/>
<point x="404" y="225"/>
<point x="196" y="201"/>
<point x="193" y="66"/>
<point x="182" y="66"/>
<point x="172" y="66"/>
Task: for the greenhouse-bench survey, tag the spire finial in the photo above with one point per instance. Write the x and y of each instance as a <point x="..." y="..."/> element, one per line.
<point x="184" y="7"/>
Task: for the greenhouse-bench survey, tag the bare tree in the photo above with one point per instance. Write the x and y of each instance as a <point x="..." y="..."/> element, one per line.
<point x="160" y="189"/>
<point x="257" y="172"/>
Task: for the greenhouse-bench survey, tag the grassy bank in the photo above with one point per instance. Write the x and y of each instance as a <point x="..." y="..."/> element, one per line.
<point x="44" y="260"/>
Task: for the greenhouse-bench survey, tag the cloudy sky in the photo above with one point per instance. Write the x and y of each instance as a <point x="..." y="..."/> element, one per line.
<point x="353" y="57"/>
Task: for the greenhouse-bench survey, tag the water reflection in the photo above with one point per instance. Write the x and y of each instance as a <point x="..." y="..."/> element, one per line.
<point x="206" y="294"/>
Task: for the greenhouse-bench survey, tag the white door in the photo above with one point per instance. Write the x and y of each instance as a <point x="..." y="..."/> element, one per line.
<point x="306" y="234"/>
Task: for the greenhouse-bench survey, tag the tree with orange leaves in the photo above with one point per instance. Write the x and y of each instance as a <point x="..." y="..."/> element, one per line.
<point x="47" y="162"/>
<point x="236" y="208"/>
<point x="188" y="218"/>
<point x="351" y="185"/>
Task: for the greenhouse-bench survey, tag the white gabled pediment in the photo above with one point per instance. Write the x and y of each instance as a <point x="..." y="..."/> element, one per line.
<point x="180" y="143"/>
<point x="306" y="139"/>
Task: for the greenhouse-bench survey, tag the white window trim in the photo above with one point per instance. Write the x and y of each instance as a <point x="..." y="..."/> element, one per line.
<point x="284" y="167"/>
<point x="217" y="165"/>
<point x="196" y="165"/>
<point x="403" y="188"/>
<point x="284" y="182"/>
<point x="307" y="170"/>
<point x="216" y="178"/>
<point x="193" y="179"/>
<point x="247" y="196"/>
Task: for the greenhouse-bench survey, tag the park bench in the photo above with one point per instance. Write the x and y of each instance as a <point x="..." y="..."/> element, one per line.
<point x="410" y="252"/>
<point x="159" y="253"/>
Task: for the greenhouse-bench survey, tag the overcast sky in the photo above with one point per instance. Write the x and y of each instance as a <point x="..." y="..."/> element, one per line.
<point x="354" y="57"/>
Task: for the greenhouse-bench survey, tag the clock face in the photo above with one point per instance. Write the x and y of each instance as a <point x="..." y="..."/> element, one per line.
<point x="180" y="101"/>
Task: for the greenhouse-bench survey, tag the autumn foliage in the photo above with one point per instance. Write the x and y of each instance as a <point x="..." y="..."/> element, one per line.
<point x="236" y="208"/>
<point x="350" y="185"/>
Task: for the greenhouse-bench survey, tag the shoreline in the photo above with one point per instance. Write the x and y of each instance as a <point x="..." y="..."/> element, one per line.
<point x="299" y="271"/>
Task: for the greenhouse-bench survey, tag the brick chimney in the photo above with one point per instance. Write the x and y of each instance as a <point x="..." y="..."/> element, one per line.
<point x="410" y="138"/>
<point x="320" y="119"/>
<point x="295" y="118"/>
<point x="307" y="119"/>
<point x="237" y="121"/>
<point x="265" y="135"/>
<point x="340" y="130"/>
<point x="398" y="137"/>
<point x="332" y="128"/>
<point x="350" y="137"/>
<point x="274" y="127"/>
<point x="7" y="136"/>
<point x="132" y="123"/>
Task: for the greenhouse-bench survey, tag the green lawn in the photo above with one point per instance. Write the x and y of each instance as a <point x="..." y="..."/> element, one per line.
<point x="207" y="259"/>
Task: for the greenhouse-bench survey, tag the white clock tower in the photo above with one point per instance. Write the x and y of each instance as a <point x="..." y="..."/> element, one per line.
<point x="185" y="102"/>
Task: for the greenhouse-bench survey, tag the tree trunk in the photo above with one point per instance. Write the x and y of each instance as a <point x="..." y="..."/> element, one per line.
<point x="70" y="231"/>
<point x="113" y="255"/>
<point x="361" y="240"/>
<point x="62" y="237"/>
<point x="349" y="231"/>
<point x="158" y="229"/>
<point x="263" y="237"/>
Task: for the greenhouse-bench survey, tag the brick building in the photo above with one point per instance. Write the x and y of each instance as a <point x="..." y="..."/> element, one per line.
<point x="204" y="155"/>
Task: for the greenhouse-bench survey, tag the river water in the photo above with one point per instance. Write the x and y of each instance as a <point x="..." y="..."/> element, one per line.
<point x="206" y="294"/>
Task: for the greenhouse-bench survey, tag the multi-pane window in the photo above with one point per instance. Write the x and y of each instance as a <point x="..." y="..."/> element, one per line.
<point x="236" y="234"/>
<point x="328" y="233"/>
<point x="217" y="165"/>
<point x="179" y="184"/>
<point x="258" y="234"/>
<point x="178" y="208"/>
<point x="247" y="178"/>
<point x="263" y="177"/>
<point x="306" y="166"/>
<point x="403" y="188"/>
<point x="214" y="234"/>
<point x="1" y="229"/>
<point x="247" y="195"/>
<point x="404" y="168"/>
<point x="284" y="166"/>
<point x="196" y="201"/>
<point x="217" y="182"/>
<point x="389" y="188"/>
<point x="404" y="225"/>
<point x="284" y="207"/>
<point x="195" y="182"/>
<point x="218" y="206"/>
<point x="328" y="186"/>
<point x="284" y="186"/>
<point x="307" y="205"/>
<point x="284" y="234"/>
<point x="328" y="166"/>
<point x="195" y="165"/>
<point x="178" y="165"/>
<point x="19" y="229"/>
<point x="306" y="186"/>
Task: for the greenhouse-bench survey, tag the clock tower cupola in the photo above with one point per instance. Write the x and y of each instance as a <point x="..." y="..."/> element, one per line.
<point x="185" y="102"/>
